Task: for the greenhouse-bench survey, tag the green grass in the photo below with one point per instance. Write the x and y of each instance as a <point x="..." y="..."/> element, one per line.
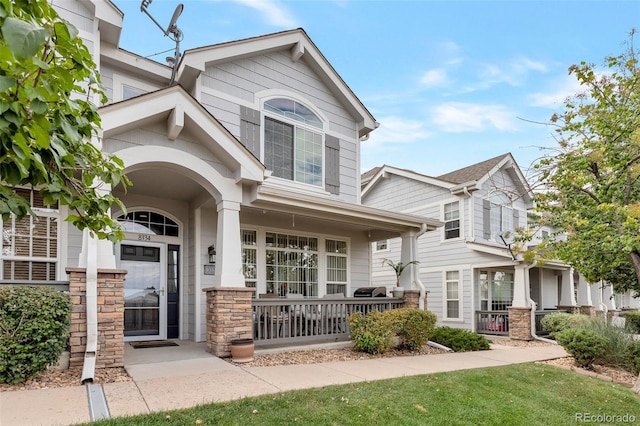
<point x="531" y="394"/>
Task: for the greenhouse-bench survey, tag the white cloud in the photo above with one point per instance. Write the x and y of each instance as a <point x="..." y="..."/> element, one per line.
<point x="459" y="117"/>
<point x="513" y="72"/>
<point x="557" y="94"/>
<point x="433" y="78"/>
<point x="273" y="12"/>
<point x="396" y="130"/>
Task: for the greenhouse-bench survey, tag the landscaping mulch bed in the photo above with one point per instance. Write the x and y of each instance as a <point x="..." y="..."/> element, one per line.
<point x="56" y="378"/>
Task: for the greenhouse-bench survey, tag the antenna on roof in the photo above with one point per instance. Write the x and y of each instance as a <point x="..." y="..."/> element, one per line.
<point x="172" y="31"/>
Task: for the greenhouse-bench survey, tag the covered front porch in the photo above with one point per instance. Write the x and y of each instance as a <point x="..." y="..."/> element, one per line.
<point x="513" y="301"/>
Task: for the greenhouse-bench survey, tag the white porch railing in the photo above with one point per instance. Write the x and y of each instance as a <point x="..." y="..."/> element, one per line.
<point x="283" y="321"/>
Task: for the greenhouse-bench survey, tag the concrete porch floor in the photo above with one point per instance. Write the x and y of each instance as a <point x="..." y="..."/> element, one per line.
<point x="186" y="350"/>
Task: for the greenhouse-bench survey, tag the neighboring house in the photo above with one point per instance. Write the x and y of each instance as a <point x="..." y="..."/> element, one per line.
<point x="467" y="266"/>
<point x="245" y="172"/>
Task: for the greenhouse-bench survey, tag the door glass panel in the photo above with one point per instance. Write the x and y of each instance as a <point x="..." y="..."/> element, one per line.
<point x="141" y="290"/>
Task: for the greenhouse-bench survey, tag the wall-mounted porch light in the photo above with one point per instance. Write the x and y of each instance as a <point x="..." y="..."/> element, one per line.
<point x="212" y="254"/>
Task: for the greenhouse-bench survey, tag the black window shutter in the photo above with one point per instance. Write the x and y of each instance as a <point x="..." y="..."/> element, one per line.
<point x="332" y="164"/>
<point x="486" y="219"/>
<point x="250" y="129"/>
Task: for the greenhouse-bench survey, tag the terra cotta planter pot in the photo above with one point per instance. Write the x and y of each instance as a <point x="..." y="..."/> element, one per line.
<point x="242" y="350"/>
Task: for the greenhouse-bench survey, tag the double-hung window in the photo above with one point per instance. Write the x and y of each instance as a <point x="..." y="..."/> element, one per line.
<point x="30" y="245"/>
<point x="452" y="220"/>
<point x="249" y="257"/>
<point x="499" y="215"/>
<point x="336" y="266"/>
<point x="496" y="290"/>
<point x="293" y="141"/>
<point x="452" y="288"/>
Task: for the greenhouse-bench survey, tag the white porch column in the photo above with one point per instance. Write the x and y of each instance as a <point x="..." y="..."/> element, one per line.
<point x="409" y="253"/>
<point x="228" y="246"/>
<point x="596" y="294"/>
<point x="584" y="292"/>
<point x="521" y="286"/>
<point x="607" y="297"/>
<point x="567" y="295"/>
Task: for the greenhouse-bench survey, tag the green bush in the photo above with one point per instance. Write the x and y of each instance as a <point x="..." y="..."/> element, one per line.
<point x="616" y="340"/>
<point x="584" y="345"/>
<point x="34" y="329"/>
<point x="370" y="333"/>
<point x="632" y="357"/>
<point x="460" y="340"/>
<point x="413" y="326"/>
<point x="560" y="321"/>
<point x="632" y="321"/>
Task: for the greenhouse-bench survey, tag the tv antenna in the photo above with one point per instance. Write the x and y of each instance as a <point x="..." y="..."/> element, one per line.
<point x="172" y="31"/>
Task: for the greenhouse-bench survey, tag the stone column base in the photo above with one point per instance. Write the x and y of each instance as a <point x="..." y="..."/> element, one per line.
<point x="412" y="299"/>
<point x="229" y="317"/>
<point x="520" y="324"/>
<point x="587" y="310"/>
<point x="569" y="309"/>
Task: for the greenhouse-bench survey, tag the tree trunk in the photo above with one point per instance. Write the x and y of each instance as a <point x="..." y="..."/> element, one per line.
<point x="635" y="260"/>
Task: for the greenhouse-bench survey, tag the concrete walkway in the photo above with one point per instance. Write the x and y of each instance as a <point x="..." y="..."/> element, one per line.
<point x="172" y="384"/>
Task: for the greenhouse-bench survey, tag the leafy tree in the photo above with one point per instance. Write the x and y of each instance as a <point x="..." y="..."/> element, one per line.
<point x="590" y="186"/>
<point x="47" y="119"/>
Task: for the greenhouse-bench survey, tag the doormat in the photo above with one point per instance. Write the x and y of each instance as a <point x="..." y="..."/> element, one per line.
<point x="153" y="344"/>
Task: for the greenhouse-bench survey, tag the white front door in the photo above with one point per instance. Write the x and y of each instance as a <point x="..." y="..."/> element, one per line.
<point x="145" y="314"/>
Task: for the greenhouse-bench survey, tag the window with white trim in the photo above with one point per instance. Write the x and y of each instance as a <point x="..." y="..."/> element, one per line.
<point x="452" y="220"/>
<point x="382" y="245"/>
<point x="293" y="141"/>
<point x="337" y="262"/>
<point x="291" y="264"/>
<point x="30" y="245"/>
<point x="501" y="213"/>
<point x="452" y="294"/>
<point x="249" y="257"/>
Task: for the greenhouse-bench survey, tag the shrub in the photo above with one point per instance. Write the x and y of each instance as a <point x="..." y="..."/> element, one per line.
<point x="560" y="321"/>
<point x="584" y="345"/>
<point x="460" y="340"/>
<point x="370" y="333"/>
<point x="616" y="340"/>
<point x="34" y="328"/>
<point x="413" y="326"/>
<point x="632" y="321"/>
<point x="632" y="357"/>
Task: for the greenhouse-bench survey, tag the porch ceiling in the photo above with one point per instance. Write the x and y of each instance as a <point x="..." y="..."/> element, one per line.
<point x="162" y="183"/>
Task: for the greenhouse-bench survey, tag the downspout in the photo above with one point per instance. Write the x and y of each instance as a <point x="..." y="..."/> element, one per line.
<point x="423" y="291"/>
<point x="91" y="293"/>
<point x="533" y="324"/>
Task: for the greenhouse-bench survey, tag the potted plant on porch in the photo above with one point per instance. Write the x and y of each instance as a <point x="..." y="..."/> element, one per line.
<point x="398" y="268"/>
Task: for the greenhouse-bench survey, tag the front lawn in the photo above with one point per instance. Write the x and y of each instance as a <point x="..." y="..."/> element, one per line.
<point x="525" y="394"/>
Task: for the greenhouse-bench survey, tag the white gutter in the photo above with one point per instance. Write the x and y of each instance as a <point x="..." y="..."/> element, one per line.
<point x="605" y="310"/>
<point x="91" y="284"/>
<point x="423" y="291"/>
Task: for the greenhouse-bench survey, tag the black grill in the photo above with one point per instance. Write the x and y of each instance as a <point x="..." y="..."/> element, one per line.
<point x="370" y="292"/>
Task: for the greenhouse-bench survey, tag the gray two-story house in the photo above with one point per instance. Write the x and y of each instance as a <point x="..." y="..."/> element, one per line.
<point x="470" y="267"/>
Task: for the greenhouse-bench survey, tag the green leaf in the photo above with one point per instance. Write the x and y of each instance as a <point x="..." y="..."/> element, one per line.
<point x="6" y="83"/>
<point x="24" y="38"/>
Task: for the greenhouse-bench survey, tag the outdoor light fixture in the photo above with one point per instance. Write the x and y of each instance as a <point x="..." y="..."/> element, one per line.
<point x="212" y="254"/>
<point x="172" y="31"/>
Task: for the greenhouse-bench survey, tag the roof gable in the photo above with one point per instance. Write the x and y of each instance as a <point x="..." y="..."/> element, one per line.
<point x="298" y="44"/>
<point x="177" y="108"/>
<point x="474" y="172"/>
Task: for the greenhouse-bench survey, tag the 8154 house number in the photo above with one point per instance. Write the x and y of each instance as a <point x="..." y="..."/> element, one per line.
<point x="144" y="237"/>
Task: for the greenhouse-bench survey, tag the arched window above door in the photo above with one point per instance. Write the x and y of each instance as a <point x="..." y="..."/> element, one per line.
<point x="148" y="222"/>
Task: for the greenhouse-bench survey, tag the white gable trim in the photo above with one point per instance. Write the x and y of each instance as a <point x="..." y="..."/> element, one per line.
<point x="195" y="61"/>
<point x="174" y="105"/>
<point x="385" y="170"/>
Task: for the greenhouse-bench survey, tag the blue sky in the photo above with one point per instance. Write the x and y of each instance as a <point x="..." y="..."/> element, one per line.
<point x="452" y="83"/>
